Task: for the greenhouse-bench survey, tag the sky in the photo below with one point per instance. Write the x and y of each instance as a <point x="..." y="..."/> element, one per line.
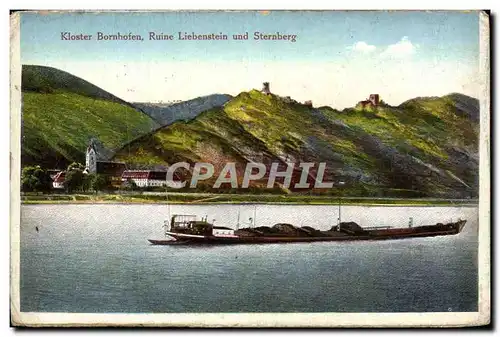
<point x="338" y="58"/>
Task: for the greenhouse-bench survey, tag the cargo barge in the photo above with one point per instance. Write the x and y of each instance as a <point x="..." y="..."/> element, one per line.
<point x="187" y="229"/>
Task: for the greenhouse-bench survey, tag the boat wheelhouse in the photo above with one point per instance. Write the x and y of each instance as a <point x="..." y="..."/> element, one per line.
<point x="191" y="225"/>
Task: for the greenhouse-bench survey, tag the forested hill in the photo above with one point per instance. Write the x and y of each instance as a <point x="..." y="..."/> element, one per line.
<point x="424" y="147"/>
<point x="62" y="112"/>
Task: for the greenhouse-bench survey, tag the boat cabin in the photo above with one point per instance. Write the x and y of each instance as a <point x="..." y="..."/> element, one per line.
<point x="189" y="224"/>
<point x="222" y="231"/>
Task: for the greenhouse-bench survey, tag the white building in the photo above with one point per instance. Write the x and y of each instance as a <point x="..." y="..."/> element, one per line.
<point x="145" y="178"/>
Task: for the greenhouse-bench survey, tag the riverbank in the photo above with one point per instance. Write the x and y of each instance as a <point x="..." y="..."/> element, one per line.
<point x="207" y="198"/>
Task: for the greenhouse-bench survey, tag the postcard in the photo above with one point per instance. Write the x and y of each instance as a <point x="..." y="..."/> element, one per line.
<point x="264" y="168"/>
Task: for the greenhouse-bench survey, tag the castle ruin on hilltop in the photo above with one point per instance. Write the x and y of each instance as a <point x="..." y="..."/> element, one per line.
<point x="265" y="88"/>
<point x="372" y="101"/>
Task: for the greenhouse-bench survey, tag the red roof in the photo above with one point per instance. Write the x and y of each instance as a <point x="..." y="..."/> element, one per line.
<point x="146" y="174"/>
<point x="156" y="175"/>
<point x="129" y="174"/>
<point x="59" y="177"/>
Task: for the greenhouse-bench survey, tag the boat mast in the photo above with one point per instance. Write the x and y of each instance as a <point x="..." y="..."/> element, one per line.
<point x="341" y="183"/>
<point x="168" y="206"/>
<point x="339" y="219"/>
<point x="254" y="216"/>
<point x="238" y="222"/>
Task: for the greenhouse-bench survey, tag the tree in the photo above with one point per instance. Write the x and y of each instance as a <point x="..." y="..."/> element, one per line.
<point x="73" y="180"/>
<point x="34" y="178"/>
<point x="75" y="166"/>
<point x="87" y="182"/>
<point x="130" y="185"/>
<point x="99" y="182"/>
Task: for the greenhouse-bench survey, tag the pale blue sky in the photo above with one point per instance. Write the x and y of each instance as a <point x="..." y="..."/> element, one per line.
<point x="357" y="45"/>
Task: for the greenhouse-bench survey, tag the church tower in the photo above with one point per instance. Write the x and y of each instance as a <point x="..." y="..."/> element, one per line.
<point x="91" y="159"/>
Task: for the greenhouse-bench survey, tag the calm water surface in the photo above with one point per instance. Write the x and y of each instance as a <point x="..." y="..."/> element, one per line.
<point x="96" y="258"/>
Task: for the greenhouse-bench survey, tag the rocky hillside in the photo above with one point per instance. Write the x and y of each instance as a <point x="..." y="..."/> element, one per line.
<point x="427" y="146"/>
<point x="165" y="113"/>
<point x="424" y="147"/>
<point x="62" y="112"/>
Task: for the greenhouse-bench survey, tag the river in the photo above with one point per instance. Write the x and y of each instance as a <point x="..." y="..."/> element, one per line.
<point x="96" y="258"/>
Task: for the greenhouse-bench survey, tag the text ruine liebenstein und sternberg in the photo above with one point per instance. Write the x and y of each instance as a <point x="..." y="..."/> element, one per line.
<point x="183" y="36"/>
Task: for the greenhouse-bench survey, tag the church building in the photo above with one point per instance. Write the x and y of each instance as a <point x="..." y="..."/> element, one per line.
<point x="94" y="165"/>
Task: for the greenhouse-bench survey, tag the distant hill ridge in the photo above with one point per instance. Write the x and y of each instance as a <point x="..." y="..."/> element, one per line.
<point x="47" y="80"/>
<point x="464" y="105"/>
<point x="165" y="114"/>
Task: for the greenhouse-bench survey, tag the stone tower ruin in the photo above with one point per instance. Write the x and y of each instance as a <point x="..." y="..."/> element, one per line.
<point x="265" y="88"/>
<point x="374" y="99"/>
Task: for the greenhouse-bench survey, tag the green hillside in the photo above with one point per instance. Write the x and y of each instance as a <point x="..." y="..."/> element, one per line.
<point x="424" y="147"/>
<point x="61" y="113"/>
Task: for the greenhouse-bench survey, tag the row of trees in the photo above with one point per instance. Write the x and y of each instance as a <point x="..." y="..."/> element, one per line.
<point x="76" y="180"/>
<point x="36" y="179"/>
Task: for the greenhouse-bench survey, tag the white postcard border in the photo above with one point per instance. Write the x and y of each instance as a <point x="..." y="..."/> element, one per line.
<point x="448" y="319"/>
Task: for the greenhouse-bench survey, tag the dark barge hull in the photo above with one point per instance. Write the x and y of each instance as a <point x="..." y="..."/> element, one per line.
<point x="370" y="235"/>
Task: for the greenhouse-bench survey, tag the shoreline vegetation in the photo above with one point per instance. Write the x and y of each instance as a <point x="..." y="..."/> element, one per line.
<point x="211" y="198"/>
